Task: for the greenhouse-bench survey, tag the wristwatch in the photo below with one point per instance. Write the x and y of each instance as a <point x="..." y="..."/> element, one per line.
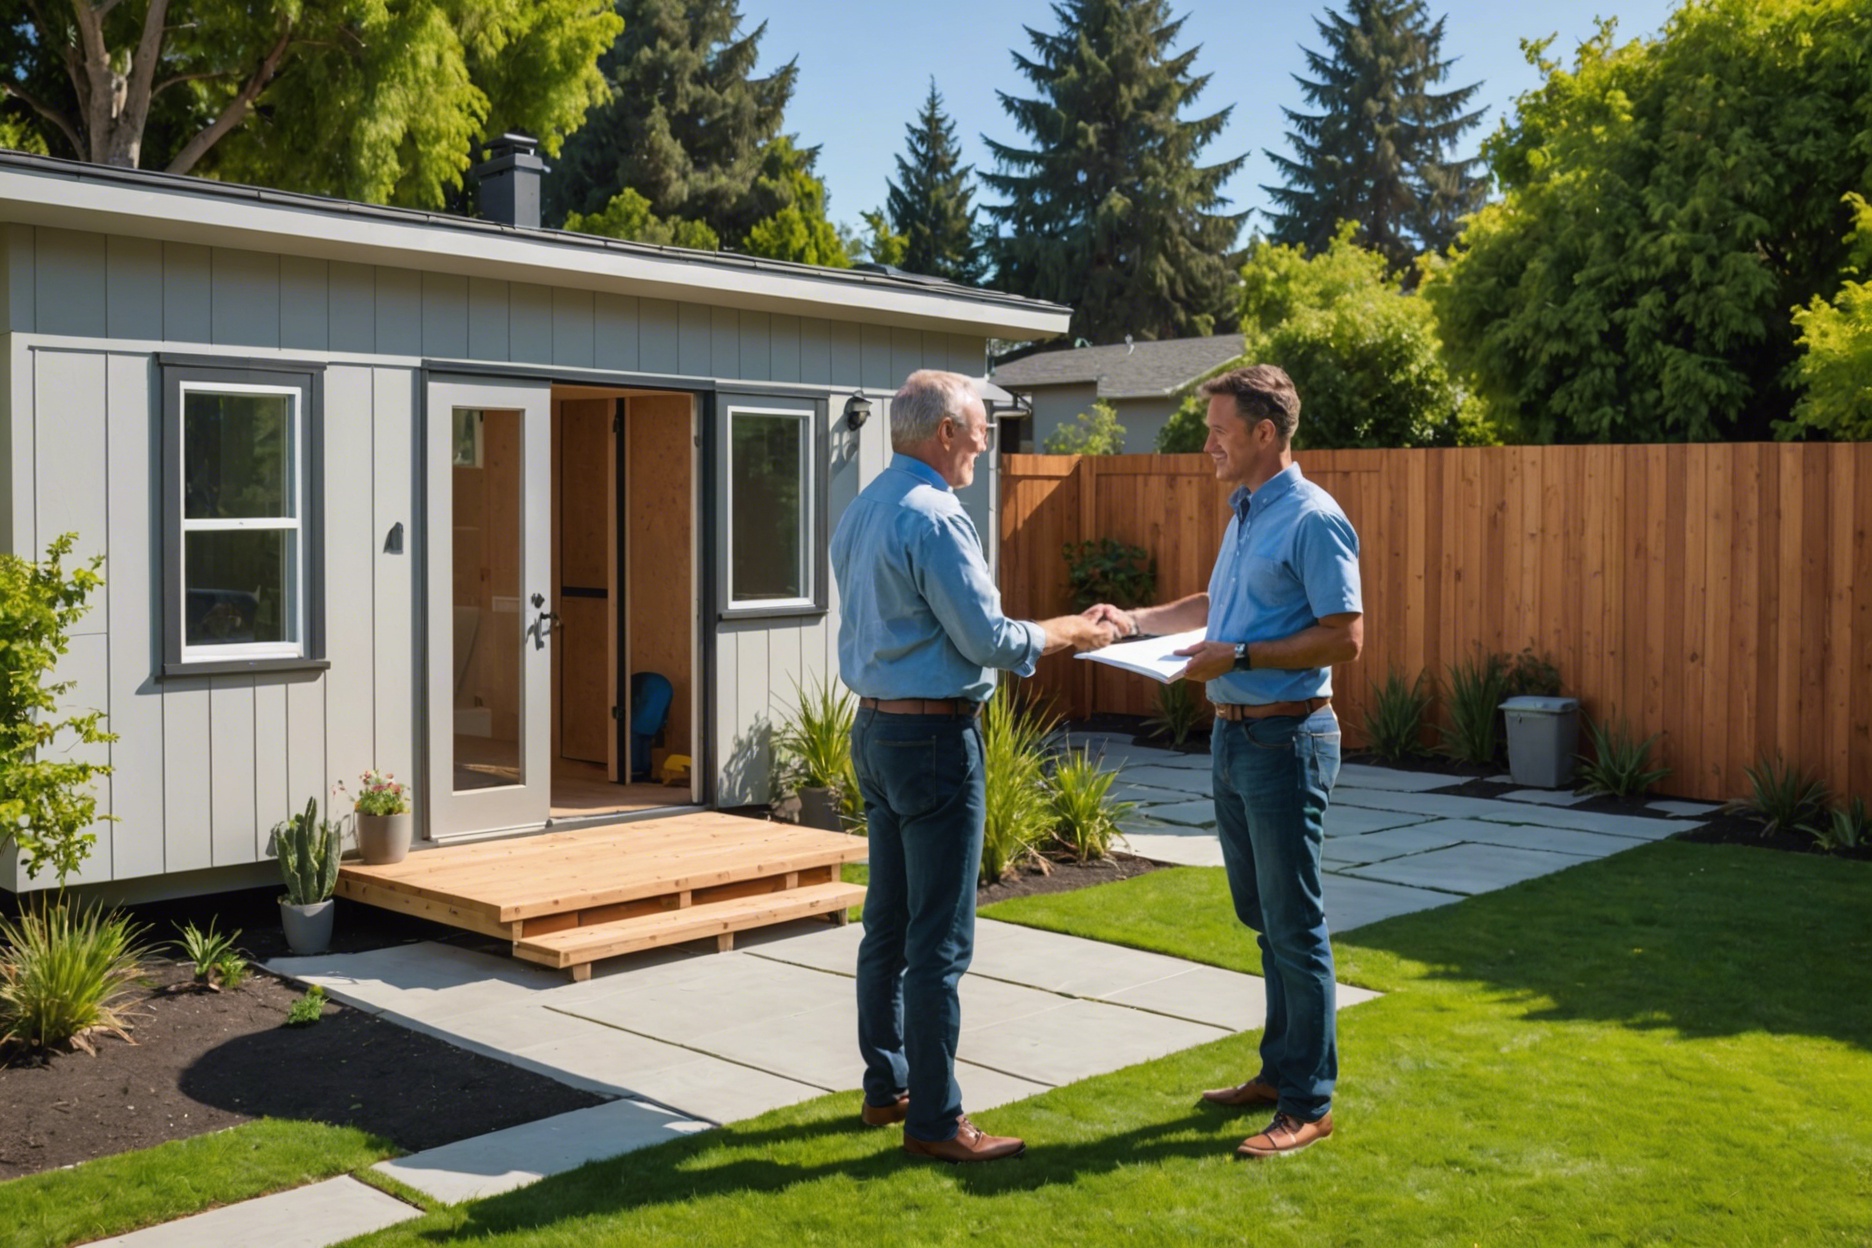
<point x="1242" y="662"/>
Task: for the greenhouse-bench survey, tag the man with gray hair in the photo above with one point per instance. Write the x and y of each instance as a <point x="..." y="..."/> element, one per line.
<point x="920" y="634"/>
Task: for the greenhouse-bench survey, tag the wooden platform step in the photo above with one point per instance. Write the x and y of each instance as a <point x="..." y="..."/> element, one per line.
<point x="576" y="948"/>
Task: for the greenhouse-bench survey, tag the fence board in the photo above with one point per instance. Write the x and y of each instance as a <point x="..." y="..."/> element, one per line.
<point x="1717" y="595"/>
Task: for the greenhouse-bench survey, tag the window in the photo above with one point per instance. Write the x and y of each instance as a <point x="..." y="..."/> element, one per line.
<point x="774" y="511"/>
<point x="242" y="555"/>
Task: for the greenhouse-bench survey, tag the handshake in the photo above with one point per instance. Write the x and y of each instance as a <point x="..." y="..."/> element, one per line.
<point x="1092" y="629"/>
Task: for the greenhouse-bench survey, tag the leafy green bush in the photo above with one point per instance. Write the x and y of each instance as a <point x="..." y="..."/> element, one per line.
<point x="1395" y="716"/>
<point x="309" y="849"/>
<point x="1785" y="797"/>
<point x="1086" y="814"/>
<point x="1177" y="712"/>
<point x="66" y="973"/>
<point x="307" y="1009"/>
<point x="1836" y="347"/>
<point x="1847" y="827"/>
<point x="814" y="748"/>
<point x="1111" y="571"/>
<point x="1096" y="432"/>
<point x="216" y="961"/>
<point x="1020" y="805"/>
<point x="1620" y="765"/>
<point x="46" y="799"/>
<point x="1476" y="688"/>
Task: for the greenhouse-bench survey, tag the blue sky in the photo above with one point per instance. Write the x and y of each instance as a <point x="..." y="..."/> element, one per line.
<point x="865" y="67"/>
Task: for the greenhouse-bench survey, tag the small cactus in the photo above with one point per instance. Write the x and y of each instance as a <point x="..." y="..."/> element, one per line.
<point x="308" y="849"/>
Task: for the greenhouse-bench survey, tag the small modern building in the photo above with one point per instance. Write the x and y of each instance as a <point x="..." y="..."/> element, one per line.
<point x="397" y="489"/>
<point x="1144" y="381"/>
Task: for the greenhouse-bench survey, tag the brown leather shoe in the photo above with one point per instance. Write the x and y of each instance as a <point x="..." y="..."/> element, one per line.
<point x="970" y="1144"/>
<point x="1255" y="1092"/>
<point x="1286" y="1134"/>
<point x="885" y="1115"/>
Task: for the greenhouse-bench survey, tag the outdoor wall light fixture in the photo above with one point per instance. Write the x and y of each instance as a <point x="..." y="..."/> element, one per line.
<point x="857" y="410"/>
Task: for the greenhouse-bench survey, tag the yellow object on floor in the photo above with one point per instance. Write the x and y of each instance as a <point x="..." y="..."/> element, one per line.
<point x="676" y="769"/>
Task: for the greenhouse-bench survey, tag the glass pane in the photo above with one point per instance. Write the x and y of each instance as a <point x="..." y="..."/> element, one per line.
<point x="488" y="624"/>
<point x="241" y="586"/>
<point x="767" y="489"/>
<point x="237" y="455"/>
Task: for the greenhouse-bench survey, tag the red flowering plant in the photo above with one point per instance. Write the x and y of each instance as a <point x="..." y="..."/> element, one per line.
<point x="381" y="795"/>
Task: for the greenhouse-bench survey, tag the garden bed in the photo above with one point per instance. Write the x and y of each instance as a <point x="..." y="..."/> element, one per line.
<point x="1063" y="877"/>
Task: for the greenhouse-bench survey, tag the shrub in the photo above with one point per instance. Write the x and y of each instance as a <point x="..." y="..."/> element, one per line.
<point x="1530" y="675"/>
<point x="1621" y="764"/>
<point x="1020" y="806"/>
<point x="1785" y="798"/>
<point x="307" y="1009"/>
<point x="46" y="800"/>
<point x="1476" y="688"/>
<point x="308" y="848"/>
<point x="1096" y="432"/>
<point x="1110" y="571"/>
<point x="1394" y="719"/>
<point x="1177" y="712"/>
<point x="66" y="971"/>
<point x="814" y="748"/>
<point x="380" y="794"/>
<point x="217" y="964"/>
<point x="1847" y="827"/>
<point x="1087" y="816"/>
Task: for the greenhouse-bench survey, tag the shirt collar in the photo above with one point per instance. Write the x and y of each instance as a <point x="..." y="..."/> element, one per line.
<point x="1243" y="500"/>
<point x="918" y="469"/>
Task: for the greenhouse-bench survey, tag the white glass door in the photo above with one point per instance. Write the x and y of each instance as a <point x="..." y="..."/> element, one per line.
<point x="487" y="459"/>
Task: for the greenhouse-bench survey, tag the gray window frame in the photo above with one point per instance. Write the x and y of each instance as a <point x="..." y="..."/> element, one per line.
<point x="207" y="372"/>
<point x="818" y="504"/>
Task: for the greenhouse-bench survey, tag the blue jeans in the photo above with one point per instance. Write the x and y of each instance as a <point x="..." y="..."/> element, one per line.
<point x="1273" y="778"/>
<point x="925" y="801"/>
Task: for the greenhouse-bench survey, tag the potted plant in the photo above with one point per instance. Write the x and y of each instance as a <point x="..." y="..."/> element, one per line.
<point x="816" y="752"/>
<point x="384" y="823"/>
<point x="308" y="848"/>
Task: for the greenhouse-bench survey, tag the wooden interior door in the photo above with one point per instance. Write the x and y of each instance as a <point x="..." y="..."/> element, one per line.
<point x="586" y="581"/>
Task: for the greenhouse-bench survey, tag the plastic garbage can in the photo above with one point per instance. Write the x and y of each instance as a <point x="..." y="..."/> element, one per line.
<point x="1543" y="738"/>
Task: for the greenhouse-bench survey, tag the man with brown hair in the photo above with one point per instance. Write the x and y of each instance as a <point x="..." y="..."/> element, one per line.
<point x="1283" y="606"/>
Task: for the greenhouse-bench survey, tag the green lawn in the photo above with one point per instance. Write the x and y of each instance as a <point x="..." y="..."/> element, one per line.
<point x="116" y="1194"/>
<point x="1671" y="1046"/>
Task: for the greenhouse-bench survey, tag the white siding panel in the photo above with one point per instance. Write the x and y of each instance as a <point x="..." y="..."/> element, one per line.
<point x="907" y="355"/>
<point x="785" y="670"/>
<point x="87" y="666"/>
<point x="72" y="286"/>
<point x="784" y="348"/>
<point x="353" y="307"/>
<point x="136" y="699"/>
<point x="351" y="542"/>
<point x="816" y="352"/>
<point x="530" y="323"/>
<point x="69" y="487"/>
<point x="306" y="774"/>
<point x="445" y="315"/>
<point x="21" y="287"/>
<point x="15" y="472"/>
<point x="572" y="325"/>
<point x="846" y="366"/>
<point x="614" y="342"/>
<point x="875" y="358"/>
<point x="399" y="312"/>
<point x="695" y="340"/>
<point x="487" y="318"/>
<point x="272" y="798"/>
<point x="394" y="576"/>
<point x="657" y="334"/>
<point x="231" y="740"/>
<point x="188" y="842"/>
<point x="245" y="298"/>
<point x="725" y="344"/>
<point x="134" y="288"/>
<point x="756" y="346"/>
<point x="305" y="293"/>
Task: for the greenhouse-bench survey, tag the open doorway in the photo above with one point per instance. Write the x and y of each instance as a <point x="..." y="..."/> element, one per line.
<point x="624" y="585"/>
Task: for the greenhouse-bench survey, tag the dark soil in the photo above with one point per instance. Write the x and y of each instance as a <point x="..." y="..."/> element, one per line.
<point x="1063" y="877"/>
<point x="206" y="1061"/>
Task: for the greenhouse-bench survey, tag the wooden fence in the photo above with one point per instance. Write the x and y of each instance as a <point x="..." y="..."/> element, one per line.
<point x="1719" y="595"/>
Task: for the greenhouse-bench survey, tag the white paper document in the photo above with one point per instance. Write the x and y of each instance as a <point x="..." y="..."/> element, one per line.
<point x="1154" y="657"/>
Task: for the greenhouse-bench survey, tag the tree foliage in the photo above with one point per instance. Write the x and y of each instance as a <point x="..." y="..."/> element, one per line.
<point x="1362" y="352"/>
<point x="1379" y="149"/>
<point x="1667" y="203"/>
<point x="46" y="800"/>
<point x="1835" y="365"/>
<point x="628" y="216"/>
<point x="1096" y="432"/>
<point x="378" y="100"/>
<point x="1107" y="209"/>
<point x="930" y="200"/>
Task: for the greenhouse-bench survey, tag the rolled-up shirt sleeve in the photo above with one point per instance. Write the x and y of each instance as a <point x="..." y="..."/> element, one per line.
<point x="1327" y="552"/>
<point x="953" y="578"/>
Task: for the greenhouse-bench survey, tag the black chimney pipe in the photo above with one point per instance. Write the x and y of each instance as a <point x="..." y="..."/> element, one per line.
<point x="510" y="180"/>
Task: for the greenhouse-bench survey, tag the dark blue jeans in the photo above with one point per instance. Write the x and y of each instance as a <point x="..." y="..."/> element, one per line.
<point x="922" y="781"/>
<point x="1273" y="778"/>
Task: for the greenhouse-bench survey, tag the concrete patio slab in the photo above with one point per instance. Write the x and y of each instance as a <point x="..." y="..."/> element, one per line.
<point x="1198" y="814"/>
<point x="304" y="1217"/>
<point x="1634" y="827"/>
<point x="1684" y="810"/>
<point x="1358" y="820"/>
<point x="1352" y="903"/>
<point x="1187" y="847"/>
<point x="501" y="1161"/>
<point x="709" y="994"/>
<point x="1546" y="797"/>
<point x="1203" y="994"/>
<point x="1065" y="964"/>
<point x="833" y="949"/>
<point x="1443" y="805"/>
<point x="1466" y="869"/>
<point x="1391" y="843"/>
<point x="1147" y="795"/>
<point x="1079" y="1040"/>
<point x="984" y="1089"/>
<point x="1528" y="836"/>
<point x="1185" y="780"/>
<point x="1366" y="776"/>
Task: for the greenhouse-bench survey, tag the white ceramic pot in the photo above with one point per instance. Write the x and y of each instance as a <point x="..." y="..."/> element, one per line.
<point x="384" y="839"/>
<point x="308" y="928"/>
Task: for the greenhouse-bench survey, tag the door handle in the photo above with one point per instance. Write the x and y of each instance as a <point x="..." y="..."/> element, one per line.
<point x="547" y="621"/>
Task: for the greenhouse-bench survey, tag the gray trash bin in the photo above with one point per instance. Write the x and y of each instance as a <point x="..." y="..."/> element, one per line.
<point x="1543" y="737"/>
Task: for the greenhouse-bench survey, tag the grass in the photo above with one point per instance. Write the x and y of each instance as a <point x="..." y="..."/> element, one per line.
<point x="1660" y="1047"/>
<point x="113" y="1195"/>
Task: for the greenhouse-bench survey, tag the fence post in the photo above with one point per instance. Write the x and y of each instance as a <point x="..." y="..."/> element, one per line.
<point x="1087" y="470"/>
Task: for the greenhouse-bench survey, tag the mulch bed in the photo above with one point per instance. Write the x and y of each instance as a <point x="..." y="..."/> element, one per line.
<point x="1064" y="877"/>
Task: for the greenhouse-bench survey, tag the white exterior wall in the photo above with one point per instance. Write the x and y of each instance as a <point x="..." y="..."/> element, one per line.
<point x="205" y="766"/>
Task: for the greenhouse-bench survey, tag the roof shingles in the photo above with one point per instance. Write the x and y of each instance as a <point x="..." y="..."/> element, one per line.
<point x="1137" y="370"/>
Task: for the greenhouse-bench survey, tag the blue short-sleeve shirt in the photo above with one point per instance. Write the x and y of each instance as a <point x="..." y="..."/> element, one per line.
<point x="1288" y="560"/>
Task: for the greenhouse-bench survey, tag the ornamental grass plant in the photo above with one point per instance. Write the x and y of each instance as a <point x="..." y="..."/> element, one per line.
<point x="67" y="973"/>
<point x="814" y="747"/>
<point x="1020" y="814"/>
<point x="1477" y="686"/>
<point x="1394" y="718"/>
<point x="1785" y="797"/>
<point x="1177" y="712"/>
<point x="1087" y="816"/>
<point x="1620" y="765"/>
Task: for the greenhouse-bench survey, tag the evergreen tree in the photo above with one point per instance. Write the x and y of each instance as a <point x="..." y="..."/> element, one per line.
<point x="929" y="203"/>
<point x="1108" y="210"/>
<point x="1378" y="151"/>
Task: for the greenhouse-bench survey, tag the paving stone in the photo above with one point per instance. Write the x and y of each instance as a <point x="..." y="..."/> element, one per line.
<point x="1056" y="962"/>
<point x="1191" y="814"/>
<point x="1503" y="779"/>
<point x="710" y="993"/>
<point x="303" y="1217"/>
<point x="1202" y="994"/>
<point x="1184" y="780"/>
<point x="504" y="1160"/>
<point x="1391" y="843"/>
<point x="1443" y="805"/>
<point x="1366" y="776"/>
<point x="1467" y="869"/>
<point x="1634" y="827"/>
<point x="1079" y="1040"/>
<point x="833" y="949"/>
<point x="1185" y="847"/>
<point x="1358" y="820"/>
<point x="1546" y="797"/>
<point x="1352" y="903"/>
<point x="1684" y="810"/>
<point x="1528" y="836"/>
<point x="1147" y="796"/>
<point x="984" y="1089"/>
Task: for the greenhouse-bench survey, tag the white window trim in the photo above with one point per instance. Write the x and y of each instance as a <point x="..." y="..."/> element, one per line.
<point x="808" y="510"/>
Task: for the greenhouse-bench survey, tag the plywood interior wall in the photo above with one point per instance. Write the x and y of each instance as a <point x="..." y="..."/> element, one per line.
<point x="584" y="559"/>
<point x="660" y="506"/>
<point x="487" y="570"/>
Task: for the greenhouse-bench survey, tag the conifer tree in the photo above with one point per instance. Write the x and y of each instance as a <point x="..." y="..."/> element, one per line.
<point x="930" y="201"/>
<point x="1107" y="210"/>
<point x="1379" y="150"/>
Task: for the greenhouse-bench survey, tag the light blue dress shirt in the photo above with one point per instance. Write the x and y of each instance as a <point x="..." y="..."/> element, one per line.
<point x="919" y="614"/>
<point x="1289" y="559"/>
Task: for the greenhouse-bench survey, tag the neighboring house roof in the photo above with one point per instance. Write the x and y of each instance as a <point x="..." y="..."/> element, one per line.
<point x="1134" y="371"/>
<point x="74" y="195"/>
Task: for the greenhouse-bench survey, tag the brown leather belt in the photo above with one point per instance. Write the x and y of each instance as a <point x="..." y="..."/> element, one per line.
<point x="967" y="708"/>
<point x="1235" y="711"/>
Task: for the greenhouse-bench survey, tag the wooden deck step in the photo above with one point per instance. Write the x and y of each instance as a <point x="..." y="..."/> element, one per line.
<point x="576" y="948"/>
